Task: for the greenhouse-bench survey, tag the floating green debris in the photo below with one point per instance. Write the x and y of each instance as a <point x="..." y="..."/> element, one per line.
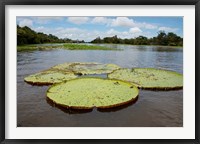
<point x="72" y="46"/>
<point x="150" y="78"/>
<point x="38" y="47"/>
<point x="87" y="68"/>
<point x="68" y="46"/>
<point x="49" y="77"/>
<point x="86" y="93"/>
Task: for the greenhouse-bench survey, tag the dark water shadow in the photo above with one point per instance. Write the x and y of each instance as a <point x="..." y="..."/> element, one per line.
<point x="118" y="108"/>
<point x="166" y="49"/>
<point x="68" y="110"/>
<point x="103" y="75"/>
<point x="158" y="48"/>
<point x="163" y="89"/>
<point x="38" y="83"/>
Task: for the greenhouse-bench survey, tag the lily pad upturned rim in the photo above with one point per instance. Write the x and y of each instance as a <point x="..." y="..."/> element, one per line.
<point x="98" y="107"/>
<point x="47" y="83"/>
<point x="150" y="88"/>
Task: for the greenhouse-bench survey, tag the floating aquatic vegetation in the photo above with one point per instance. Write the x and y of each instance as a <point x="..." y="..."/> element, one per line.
<point x="72" y="46"/>
<point x="68" y="46"/>
<point x="48" y="77"/>
<point x="64" y="66"/>
<point x="87" y="68"/>
<point x="67" y="71"/>
<point x="150" y="78"/>
<point x="87" y="93"/>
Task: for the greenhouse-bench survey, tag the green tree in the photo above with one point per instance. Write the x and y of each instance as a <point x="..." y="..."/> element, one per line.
<point x="141" y="40"/>
<point x="25" y="35"/>
<point x="174" y="40"/>
<point x="97" y="40"/>
<point x="162" y="38"/>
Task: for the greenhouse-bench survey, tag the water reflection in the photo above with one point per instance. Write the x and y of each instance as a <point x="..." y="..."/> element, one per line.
<point x="118" y="108"/>
<point x="131" y="56"/>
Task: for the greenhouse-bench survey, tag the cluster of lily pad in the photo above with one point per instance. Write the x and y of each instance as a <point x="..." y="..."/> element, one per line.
<point x="122" y="85"/>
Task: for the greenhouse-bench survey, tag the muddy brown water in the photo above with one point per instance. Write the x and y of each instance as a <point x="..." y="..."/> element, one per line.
<point x="151" y="109"/>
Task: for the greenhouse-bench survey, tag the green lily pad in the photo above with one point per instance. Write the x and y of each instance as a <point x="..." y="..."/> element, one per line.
<point x="49" y="77"/>
<point x="87" y="93"/>
<point x="87" y="68"/>
<point x="150" y="78"/>
<point x="64" y="66"/>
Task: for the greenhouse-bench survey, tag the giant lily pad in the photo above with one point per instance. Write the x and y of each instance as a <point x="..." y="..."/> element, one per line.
<point x="86" y="93"/>
<point x="49" y="77"/>
<point x="150" y="78"/>
<point x="87" y="68"/>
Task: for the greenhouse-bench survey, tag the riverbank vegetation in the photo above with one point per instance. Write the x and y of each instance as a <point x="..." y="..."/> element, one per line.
<point x="163" y="39"/>
<point x="71" y="46"/>
<point x="26" y="36"/>
<point x="68" y="46"/>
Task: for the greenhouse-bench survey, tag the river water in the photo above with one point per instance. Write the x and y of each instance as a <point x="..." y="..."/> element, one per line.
<point x="152" y="108"/>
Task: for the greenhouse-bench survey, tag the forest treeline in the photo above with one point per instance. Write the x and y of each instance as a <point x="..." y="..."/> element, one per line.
<point x="26" y="35"/>
<point x="169" y="39"/>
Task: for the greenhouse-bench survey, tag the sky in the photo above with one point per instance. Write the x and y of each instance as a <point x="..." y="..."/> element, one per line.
<point x="89" y="28"/>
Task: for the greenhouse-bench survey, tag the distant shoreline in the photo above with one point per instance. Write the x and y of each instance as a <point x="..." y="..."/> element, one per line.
<point x="140" y="45"/>
<point x="76" y="46"/>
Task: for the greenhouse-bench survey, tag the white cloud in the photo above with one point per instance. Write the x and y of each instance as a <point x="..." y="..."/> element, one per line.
<point x="87" y="35"/>
<point x="130" y="27"/>
<point x="135" y="30"/>
<point x="101" y="20"/>
<point x="25" y="22"/>
<point x="123" y="21"/>
<point x="46" y="19"/>
<point x="148" y="26"/>
<point x="78" y="20"/>
<point x="127" y="22"/>
<point x="111" y="32"/>
<point x="168" y="29"/>
<point x="29" y="21"/>
<point x="72" y="33"/>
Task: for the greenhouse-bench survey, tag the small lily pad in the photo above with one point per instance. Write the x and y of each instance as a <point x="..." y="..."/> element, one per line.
<point x="150" y="78"/>
<point x="87" y="68"/>
<point x="49" y="77"/>
<point x="87" y="93"/>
